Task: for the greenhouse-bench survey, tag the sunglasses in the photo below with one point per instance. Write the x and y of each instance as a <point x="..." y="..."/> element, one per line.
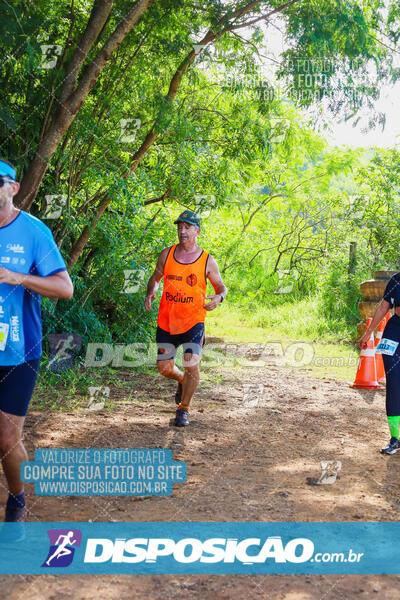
<point x="3" y="181"/>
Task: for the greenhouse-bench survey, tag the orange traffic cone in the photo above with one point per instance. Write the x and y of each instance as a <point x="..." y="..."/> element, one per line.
<point x="366" y="371"/>
<point x="380" y="369"/>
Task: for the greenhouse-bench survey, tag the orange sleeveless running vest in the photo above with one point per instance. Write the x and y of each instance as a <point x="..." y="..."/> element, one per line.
<point x="181" y="305"/>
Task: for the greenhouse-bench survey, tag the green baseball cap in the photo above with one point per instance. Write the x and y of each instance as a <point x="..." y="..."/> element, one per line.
<point x="190" y="217"/>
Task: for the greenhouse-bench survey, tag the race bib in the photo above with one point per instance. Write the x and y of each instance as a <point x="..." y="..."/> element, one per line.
<point x="4" y="327"/>
<point x="386" y="346"/>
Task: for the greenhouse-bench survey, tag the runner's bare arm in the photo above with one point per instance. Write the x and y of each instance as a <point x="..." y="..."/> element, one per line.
<point x="220" y="288"/>
<point x="154" y="281"/>
<point x="58" y="285"/>
<point x="380" y="312"/>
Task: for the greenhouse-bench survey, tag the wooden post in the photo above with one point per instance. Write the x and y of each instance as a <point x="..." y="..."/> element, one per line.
<point x="352" y="260"/>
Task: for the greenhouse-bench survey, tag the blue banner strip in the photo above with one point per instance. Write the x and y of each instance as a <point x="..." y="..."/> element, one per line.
<point x="199" y="548"/>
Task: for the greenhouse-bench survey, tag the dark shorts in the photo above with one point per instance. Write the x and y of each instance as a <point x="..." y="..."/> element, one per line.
<point x="191" y="341"/>
<point x="16" y="386"/>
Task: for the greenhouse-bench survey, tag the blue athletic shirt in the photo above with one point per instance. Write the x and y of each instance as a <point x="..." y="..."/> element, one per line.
<point x="392" y="291"/>
<point x="26" y="246"/>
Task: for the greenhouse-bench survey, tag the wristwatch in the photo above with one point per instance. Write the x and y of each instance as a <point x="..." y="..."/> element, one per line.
<point x="222" y="298"/>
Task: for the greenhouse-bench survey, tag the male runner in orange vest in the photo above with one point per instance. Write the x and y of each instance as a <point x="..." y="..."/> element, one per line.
<point x="185" y="268"/>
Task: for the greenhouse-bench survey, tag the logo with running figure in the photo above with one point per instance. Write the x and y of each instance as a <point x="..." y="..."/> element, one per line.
<point x="191" y="279"/>
<point x="62" y="542"/>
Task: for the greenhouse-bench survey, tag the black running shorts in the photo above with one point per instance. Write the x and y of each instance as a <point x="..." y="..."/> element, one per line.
<point x="16" y="386"/>
<point x="191" y="341"/>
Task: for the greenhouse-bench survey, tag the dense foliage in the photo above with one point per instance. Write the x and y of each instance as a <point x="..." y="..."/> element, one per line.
<point x="180" y="115"/>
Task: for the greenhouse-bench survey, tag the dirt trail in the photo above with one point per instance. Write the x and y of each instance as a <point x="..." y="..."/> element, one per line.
<point x="244" y="463"/>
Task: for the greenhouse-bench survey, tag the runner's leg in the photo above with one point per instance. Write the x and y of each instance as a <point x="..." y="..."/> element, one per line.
<point x="194" y="341"/>
<point x="12" y="450"/>
<point x="16" y="388"/>
<point x="392" y="371"/>
<point x="168" y="369"/>
<point x="191" y="363"/>
<point x="166" y="352"/>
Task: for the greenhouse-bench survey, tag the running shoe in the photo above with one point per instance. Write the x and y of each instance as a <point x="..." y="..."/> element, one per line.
<point x="392" y="448"/>
<point x="178" y="395"/>
<point x="181" y="419"/>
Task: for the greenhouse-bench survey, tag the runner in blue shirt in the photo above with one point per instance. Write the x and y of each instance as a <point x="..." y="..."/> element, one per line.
<point x="31" y="266"/>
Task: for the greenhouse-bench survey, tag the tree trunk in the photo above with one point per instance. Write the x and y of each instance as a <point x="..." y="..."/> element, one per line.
<point x="351" y="269"/>
<point x="137" y="157"/>
<point x="74" y="98"/>
<point x="83" y="239"/>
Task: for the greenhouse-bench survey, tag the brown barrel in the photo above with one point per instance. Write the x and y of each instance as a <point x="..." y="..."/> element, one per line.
<point x="372" y="293"/>
<point x="372" y="290"/>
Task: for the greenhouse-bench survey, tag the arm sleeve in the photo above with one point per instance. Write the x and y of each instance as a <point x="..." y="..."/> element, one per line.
<point x="392" y="288"/>
<point x="48" y="258"/>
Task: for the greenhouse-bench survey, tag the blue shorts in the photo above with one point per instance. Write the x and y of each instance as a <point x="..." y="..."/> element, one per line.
<point x="16" y="386"/>
<point x="191" y="341"/>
